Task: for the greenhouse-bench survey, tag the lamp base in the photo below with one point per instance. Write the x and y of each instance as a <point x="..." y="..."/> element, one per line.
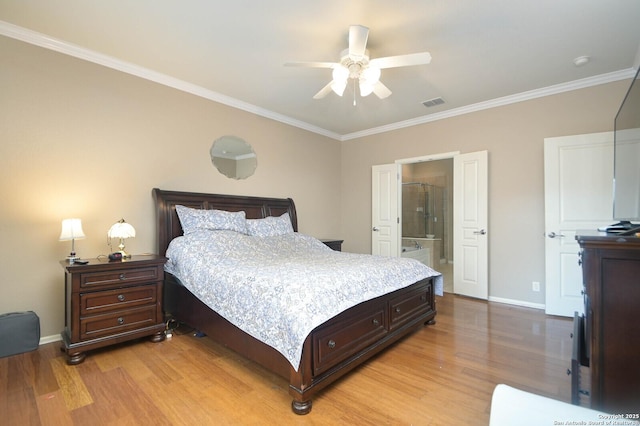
<point x="125" y="255"/>
<point x="72" y="257"/>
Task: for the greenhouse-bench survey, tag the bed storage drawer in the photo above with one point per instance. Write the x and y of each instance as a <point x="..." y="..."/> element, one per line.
<point x="409" y="305"/>
<point x="351" y="334"/>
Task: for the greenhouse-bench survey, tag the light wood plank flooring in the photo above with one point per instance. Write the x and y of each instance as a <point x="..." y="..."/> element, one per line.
<point x="441" y="375"/>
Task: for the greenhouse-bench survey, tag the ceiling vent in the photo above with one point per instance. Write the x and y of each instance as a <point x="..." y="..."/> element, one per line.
<point x="433" y="102"/>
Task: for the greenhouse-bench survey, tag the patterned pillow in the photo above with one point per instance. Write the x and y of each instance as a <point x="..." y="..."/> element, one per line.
<point x="193" y="220"/>
<point x="270" y="226"/>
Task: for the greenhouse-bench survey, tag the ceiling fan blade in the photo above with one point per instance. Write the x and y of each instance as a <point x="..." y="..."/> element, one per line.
<point x="401" y="60"/>
<point x="324" y="91"/>
<point x="381" y="90"/>
<point x="311" y="64"/>
<point x="358" y="36"/>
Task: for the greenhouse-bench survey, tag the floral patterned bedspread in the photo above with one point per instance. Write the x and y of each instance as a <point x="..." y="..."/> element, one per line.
<point x="278" y="289"/>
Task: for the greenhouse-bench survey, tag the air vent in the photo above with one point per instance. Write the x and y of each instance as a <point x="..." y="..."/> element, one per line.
<point x="433" y="102"/>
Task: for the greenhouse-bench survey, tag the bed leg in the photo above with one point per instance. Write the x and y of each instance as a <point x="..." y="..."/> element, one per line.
<point x="431" y="321"/>
<point x="301" y="407"/>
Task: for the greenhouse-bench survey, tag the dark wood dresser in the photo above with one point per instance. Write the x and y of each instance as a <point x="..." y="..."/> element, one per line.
<point x="333" y="244"/>
<point x="607" y="338"/>
<point x="112" y="302"/>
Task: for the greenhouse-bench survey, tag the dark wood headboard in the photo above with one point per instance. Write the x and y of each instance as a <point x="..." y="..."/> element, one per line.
<point x="168" y="225"/>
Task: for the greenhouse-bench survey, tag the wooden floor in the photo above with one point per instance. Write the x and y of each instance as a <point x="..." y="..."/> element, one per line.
<point x="441" y="375"/>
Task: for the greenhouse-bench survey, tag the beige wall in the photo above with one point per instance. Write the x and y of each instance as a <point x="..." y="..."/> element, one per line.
<point x="81" y="140"/>
<point x="78" y="139"/>
<point x="514" y="136"/>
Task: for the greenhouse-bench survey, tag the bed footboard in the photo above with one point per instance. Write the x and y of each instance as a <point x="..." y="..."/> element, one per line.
<point x="338" y="346"/>
<point x="331" y="350"/>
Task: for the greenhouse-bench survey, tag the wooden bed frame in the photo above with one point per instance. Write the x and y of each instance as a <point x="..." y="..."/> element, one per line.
<point x="333" y="348"/>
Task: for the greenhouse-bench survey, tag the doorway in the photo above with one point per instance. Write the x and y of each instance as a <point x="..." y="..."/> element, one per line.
<point x="427" y="214"/>
<point x="469" y="200"/>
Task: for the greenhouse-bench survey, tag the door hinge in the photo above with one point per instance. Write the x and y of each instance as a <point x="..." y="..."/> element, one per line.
<point x="398" y="220"/>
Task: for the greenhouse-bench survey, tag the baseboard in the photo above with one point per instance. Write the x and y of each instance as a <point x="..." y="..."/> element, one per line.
<point x="517" y="302"/>
<point x="50" y="339"/>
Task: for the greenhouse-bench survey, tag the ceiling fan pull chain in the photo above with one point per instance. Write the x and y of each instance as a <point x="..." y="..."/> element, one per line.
<point x="354" y="92"/>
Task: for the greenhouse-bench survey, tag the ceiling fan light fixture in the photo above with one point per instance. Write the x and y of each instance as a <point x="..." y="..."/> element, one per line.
<point x="371" y="75"/>
<point x="338" y="86"/>
<point x="340" y="73"/>
<point x="340" y="76"/>
<point x="365" y="88"/>
<point x="368" y="79"/>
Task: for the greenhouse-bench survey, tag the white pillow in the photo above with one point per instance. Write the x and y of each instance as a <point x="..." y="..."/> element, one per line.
<point x="270" y="226"/>
<point x="193" y="220"/>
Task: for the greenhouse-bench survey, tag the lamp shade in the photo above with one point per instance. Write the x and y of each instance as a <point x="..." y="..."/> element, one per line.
<point x="340" y="77"/>
<point x="121" y="229"/>
<point x="369" y="77"/>
<point x="71" y="230"/>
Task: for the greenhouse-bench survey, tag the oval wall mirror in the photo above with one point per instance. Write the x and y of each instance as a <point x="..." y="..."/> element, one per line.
<point x="233" y="157"/>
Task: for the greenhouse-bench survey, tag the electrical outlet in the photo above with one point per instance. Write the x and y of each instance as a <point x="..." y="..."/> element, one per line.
<point x="535" y="286"/>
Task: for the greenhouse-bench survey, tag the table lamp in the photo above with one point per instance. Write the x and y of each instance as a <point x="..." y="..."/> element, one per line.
<point x="72" y="230"/>
<point x="121" y="230"/>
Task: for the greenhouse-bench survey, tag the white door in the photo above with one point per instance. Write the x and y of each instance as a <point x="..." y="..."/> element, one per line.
<point x="385" y="222"/>
<point x="578" y="194"/>
<point x="470" y="219"/>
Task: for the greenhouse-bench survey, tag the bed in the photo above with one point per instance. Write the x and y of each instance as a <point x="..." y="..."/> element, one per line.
<point x="330" y="349"/>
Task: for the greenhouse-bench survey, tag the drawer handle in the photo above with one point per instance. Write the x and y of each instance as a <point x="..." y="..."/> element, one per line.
<point x="121" y="277"/>
<point x="121" y="297"/>
<point x="375" y="321"/>
<point x="331" y="344"/>
<point x="423" y="298"/>
<point x="398" y="310"/>
<point x="120" y="320"/>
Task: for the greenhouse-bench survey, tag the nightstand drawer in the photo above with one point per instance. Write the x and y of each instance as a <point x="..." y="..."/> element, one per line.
<point x="119" y="277"/>
<point x="118" y="322"/>
<point x="123" y="298"/>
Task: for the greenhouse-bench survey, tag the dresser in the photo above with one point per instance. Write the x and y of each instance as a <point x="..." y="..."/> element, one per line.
<point x="112" y="302"/>
<point x="606" y="370"/>
<point x="333" y="244"/>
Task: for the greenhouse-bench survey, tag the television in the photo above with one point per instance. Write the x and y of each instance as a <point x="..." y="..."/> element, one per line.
<point x="626" y="169"/>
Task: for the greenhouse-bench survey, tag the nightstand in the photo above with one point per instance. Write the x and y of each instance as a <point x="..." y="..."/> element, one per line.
<point x="333" y="244"/>
<point x="112" y="302"/>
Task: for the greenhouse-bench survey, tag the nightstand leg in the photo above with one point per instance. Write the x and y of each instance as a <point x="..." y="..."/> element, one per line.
<point x="75" y="358"/>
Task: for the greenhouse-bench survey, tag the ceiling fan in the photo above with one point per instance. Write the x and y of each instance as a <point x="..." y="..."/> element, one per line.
<point x="355" y="64"/>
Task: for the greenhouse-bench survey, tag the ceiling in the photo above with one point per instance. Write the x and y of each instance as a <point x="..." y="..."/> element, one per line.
<point x="485" y="53"/>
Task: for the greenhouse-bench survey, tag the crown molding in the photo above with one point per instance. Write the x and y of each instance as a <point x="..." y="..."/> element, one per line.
<point x="42" y="40"/>
<point x="505" y="100"/>
<point x="51" y="43"/>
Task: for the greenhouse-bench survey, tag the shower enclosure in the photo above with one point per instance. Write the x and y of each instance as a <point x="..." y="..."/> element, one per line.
<point x="424" y="214"/>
